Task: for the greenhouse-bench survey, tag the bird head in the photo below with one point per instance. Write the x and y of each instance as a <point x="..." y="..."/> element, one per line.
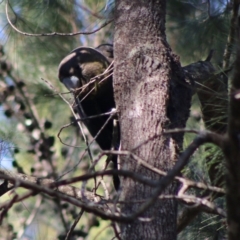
<point x="80" y="67"/>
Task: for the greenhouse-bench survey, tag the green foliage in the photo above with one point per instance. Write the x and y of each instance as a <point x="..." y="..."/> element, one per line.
<point x="196" y="27"/>
<point x="32" y="113"/>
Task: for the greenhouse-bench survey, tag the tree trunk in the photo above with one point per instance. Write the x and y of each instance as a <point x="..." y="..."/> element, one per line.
<point x="151" y="96"/>
<point x="232" y="154"/>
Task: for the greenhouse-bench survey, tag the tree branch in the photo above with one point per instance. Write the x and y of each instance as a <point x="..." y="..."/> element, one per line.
<point x="53" y="33"/>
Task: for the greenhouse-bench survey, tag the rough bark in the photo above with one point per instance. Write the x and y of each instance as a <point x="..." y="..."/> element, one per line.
<point x="151" y="96"/>
<point x="232" y="153"/>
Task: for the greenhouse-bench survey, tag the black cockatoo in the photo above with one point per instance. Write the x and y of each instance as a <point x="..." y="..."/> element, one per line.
<point x="76" y="71"/>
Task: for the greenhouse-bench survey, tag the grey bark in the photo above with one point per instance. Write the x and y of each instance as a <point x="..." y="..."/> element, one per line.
<point x="152" y="96"/>
<point x="232" y="154"/>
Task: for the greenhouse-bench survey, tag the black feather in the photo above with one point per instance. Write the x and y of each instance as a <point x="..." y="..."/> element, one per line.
<point x="76" y="71"/>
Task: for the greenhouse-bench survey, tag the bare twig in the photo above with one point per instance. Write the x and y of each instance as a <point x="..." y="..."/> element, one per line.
<point x="117" y="234"/>
<point x="31" y="216"/>
<point x="185" y="182"/>
<point x="99" y="232"/>
<point x="74" y="225"/>
<point x="182" y="161"/>
<point x="94" y="205"/>
<point x="88" y="10"/>
<point x="231" y="35"/>
<point x="53" y="33"/>
<point x="7" y="207"/>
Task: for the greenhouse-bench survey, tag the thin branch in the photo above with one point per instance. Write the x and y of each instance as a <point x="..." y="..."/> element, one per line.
<point x="117" y="234"/>
<point x="7" y="207"/>
<point x="203" y="203"/>
<point x="231" y="35"/>
<point x="176" y="130"/>
<point x="185" y="182"/>
<point x="210" y="137"/>
<point x="88" y="10"/>
<point x="94" y="205"/>
<point x="181" y="163"/>
<point x="31" y="216"/>
<point x="53" y="33"/>
<point x="102" y="230"/>
<point x="74" y="225"/>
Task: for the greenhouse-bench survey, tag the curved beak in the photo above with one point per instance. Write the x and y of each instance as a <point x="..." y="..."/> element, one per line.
<point x="71" y="83"/>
